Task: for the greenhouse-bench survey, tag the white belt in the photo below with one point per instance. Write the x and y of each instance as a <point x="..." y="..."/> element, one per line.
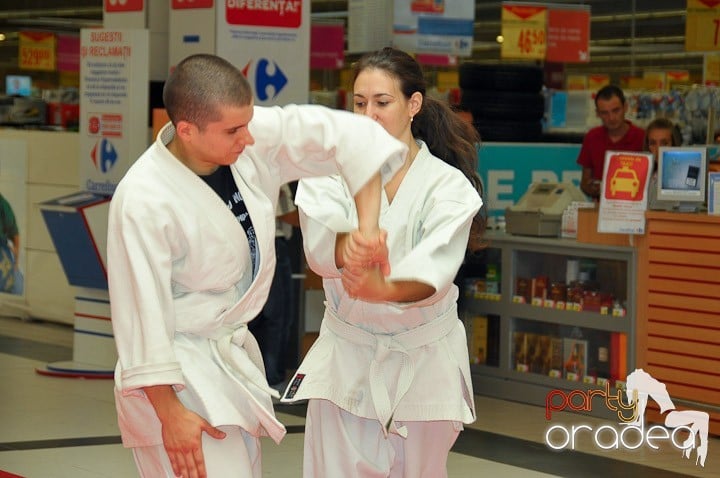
<point x="383" y="345"/>
<point x="221" y="344"/>
<point x="223" y="338"/>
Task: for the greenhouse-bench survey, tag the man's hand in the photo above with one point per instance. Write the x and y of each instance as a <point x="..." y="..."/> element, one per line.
<point x="182" y="431"/>
<point x="182" y="438"/>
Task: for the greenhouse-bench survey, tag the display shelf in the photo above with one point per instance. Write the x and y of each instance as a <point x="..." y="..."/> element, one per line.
<point x="585" y="319"/>
<point x="596" y="277"/>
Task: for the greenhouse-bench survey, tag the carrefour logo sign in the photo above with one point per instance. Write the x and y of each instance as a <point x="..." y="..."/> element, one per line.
<point x="104" y="155"/>
<point x="269" y="79"/>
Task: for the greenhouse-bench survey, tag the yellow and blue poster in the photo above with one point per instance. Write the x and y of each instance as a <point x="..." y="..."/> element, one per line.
<point x="434" y="26"/>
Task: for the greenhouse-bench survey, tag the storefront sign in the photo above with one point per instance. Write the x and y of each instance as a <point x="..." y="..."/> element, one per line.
<point x="702" y="25"/>
<point x="270" y="43"/>
<point x="568" y="35"/>
<point x="524" y="31"/>
<point x="37" y="51"/>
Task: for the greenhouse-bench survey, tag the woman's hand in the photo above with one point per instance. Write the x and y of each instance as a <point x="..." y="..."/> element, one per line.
<point x="362" y="252"/>
<point x="367" y="284"/>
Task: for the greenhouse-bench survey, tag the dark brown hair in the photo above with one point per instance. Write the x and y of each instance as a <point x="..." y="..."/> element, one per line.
<point x="446" y="135"/>
<point x="199" y="85"/>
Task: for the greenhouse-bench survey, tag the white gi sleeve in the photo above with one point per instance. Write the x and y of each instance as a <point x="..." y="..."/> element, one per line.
<point x="313" y="140"/>
<point x="440" y="239"/>
<point x="326" y="209"/>
<point x="139" y="278"/>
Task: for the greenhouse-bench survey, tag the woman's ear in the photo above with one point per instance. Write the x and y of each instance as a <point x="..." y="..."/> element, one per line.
<point x="415" y="103"/>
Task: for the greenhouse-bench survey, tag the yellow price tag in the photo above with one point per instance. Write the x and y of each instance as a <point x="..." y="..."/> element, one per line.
<point x="37" y="51"/>
<point x="524" y="31"/>
<point x="702" y="25"/>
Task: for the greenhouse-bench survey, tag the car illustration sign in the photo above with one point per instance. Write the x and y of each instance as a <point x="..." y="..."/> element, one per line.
<point x="624" y="197"/>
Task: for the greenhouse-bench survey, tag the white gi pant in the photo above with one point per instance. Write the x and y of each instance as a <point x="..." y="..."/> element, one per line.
<point x="340" y="444"/>
<point x="236" y="455"/>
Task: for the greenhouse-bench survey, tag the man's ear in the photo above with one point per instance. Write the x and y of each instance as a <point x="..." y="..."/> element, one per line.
<point x="185" y="129"/>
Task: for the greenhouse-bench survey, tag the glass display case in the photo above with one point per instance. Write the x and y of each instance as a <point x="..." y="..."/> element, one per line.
<point x="550" y="314"/>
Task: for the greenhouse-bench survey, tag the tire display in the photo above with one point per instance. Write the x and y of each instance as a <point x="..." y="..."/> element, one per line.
<point x="510" y="77"/>
<point x="505" y="100"/>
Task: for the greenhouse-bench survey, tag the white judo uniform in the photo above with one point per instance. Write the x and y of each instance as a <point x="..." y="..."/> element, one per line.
<point x="392" y="362"/>
<point x="181" y="286"/>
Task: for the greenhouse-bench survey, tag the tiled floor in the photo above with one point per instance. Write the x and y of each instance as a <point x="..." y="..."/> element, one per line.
<point x="65" y="428"/>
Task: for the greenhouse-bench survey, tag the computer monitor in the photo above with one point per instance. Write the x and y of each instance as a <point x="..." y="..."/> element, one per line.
<point x="18" y="85"/>
<point x="682" y="177"/>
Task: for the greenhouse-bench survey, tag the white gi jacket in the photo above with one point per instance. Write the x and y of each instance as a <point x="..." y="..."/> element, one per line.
<point x="179" y="269"/>
<point x="398" y="361"/>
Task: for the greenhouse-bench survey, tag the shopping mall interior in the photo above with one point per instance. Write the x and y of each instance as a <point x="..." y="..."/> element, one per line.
<point x="60" y="424"/>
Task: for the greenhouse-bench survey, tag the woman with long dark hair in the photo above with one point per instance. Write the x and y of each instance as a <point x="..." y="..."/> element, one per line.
<point x="388" y="379"/>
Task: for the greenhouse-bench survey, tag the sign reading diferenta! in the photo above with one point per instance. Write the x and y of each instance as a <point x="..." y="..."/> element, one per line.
<point x="277" y="13"/>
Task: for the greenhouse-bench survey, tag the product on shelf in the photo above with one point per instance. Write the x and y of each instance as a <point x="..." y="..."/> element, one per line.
<point x="537" y="362"/>
<point x="478" y="334"/>
<point x="522" y="289"/>
<point x="598" y="357"/>
<point x="555" y="358"/>
<point x="540" y="286"/>
<point x="474" y="287"/>
<point x="580" y="351"/>
<point x="520" y="357"/>
<point x="618" y="357"/>
<point x="575" y="358"/>
<point x="492" y="279"/>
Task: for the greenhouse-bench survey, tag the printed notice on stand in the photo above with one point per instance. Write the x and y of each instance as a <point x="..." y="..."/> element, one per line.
<point x="623" y="197"/>
<point x="713" y="205"/>
<point x="114" y="79"/>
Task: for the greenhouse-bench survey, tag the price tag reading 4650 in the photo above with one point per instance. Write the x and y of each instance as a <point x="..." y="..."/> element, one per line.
<point x="531" y="40"/>
<point x="702" y="25"/>
<point x="524" y="31"/>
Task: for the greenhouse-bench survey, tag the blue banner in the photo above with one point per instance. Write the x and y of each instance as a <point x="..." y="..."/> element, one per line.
<point x="508" y="169"/>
